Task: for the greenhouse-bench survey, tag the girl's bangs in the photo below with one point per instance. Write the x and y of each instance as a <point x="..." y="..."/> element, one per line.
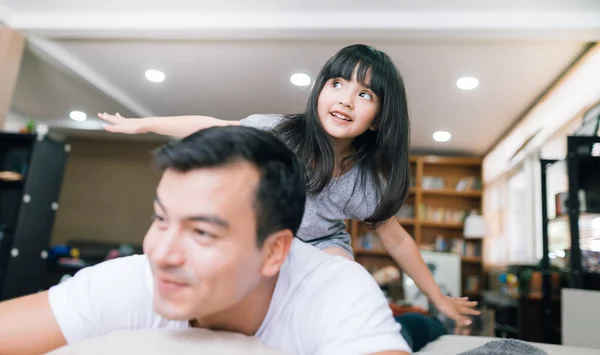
<point x="368" y="73"/>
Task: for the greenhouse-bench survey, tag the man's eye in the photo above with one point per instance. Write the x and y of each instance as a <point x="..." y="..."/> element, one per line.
<point x="156" y="217"/>
<point x="159" y="221"/>
<point x="204" y="235"/>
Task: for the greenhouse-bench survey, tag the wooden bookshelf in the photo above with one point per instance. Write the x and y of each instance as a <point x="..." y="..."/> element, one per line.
<point x="471" y="259"/>
<point x="407" y="221"/>
<point x="445" y="225"/>
<point x="449" y="192"/>
<point x="471" y="294"/>
<point x="444" y="191"/>
<point x="371" y="252"/>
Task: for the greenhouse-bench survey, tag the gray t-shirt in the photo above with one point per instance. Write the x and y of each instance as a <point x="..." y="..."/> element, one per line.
<point x="344" y="198"/>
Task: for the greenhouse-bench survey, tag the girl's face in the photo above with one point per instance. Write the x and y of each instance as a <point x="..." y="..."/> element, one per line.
<point x="347" y="108"/>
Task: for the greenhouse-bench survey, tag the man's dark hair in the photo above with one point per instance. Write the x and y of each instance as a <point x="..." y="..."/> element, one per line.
<point x="281" y="193"/>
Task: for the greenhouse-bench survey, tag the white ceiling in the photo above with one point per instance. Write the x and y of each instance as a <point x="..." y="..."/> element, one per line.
<point x="244" y="6"/>
<point x="222" y="61"/>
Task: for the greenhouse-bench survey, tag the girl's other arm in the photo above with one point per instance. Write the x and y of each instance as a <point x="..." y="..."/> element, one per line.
<point x="405" y="252"/>
<point x="177" y="126"/>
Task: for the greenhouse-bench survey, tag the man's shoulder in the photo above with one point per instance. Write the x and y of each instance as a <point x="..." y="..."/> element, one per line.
<point x="138" y="261"/>
<point x="340" y="271"/>
<point x="336" y="307"/>
<point x="113" y="295"/>
<point x="128" y="275"/>
<point x="134" y="267"/>
<point x="132" y="272"/>
<point x="335" y="274"/>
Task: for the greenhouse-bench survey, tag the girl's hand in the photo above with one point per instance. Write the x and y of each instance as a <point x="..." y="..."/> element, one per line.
<point x="120" y="124"/>
<point x="456" y="309"/>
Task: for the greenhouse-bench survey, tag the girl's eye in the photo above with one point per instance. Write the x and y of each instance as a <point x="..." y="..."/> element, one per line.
<point x="366" y="95"/>
<point x="337" y="84"/>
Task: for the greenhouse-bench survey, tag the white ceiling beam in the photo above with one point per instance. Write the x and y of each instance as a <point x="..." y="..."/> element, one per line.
<point x="577" y="91"/>
<point x="54" y="54"/>
<point x="5" y="14"/>
<point x="578" y="25"/>
<point x="60" y="58"/>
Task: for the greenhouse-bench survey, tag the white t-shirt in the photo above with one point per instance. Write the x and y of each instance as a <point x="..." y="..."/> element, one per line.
<point x="322" y="304"/>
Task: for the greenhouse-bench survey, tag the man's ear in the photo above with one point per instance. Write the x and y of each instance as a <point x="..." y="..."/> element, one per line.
<point x="275" y="250"/>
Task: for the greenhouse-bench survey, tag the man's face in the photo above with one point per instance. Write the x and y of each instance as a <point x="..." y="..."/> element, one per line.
<point x="202" y="243"/>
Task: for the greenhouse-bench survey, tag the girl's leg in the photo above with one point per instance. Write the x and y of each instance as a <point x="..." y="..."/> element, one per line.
<point x="339" y="252"/>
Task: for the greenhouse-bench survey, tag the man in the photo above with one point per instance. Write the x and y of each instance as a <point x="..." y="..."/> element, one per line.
<point x="220" y="254"/>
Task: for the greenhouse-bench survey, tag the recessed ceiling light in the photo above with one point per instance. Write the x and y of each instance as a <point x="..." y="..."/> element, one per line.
<point x="78" y="116"/>
<point x="300" y="79"/>
<point x="155" y="75"/>
<point x="467" y="83"/>
<point x="442" y="136"/>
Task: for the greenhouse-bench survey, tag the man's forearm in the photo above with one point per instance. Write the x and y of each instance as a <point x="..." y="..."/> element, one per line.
<point x="27" y="326"/>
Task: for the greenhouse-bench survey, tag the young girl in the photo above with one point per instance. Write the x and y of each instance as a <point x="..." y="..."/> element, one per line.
<point x="354" y="140"/>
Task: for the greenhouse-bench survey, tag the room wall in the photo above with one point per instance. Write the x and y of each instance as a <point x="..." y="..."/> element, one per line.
<point x="107" y="191"/>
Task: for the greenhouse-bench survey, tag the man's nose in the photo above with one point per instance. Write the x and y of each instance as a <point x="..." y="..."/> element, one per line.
<point x="168" y="252"/>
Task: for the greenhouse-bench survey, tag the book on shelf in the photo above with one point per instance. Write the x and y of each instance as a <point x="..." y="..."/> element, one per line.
<point x="368" y="240"/>
<point x="442" y="214"/>
<point x="407" y="211"/>
<point x="433" y="183"/>
<point x="464" y="248"/>
<point x="467" y="183"/>
<point x="470" y="183"/>
<point x="472" y="283"/>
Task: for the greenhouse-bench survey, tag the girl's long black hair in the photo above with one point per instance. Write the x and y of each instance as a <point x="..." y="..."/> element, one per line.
<point x="381" y="155"/>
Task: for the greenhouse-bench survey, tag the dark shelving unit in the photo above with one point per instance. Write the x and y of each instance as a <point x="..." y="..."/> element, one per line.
<point x="31" y="174"/>
<point x="583" y="171"/>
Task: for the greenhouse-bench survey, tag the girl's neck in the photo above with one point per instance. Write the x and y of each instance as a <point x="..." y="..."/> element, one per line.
<point x="343" y="149"/>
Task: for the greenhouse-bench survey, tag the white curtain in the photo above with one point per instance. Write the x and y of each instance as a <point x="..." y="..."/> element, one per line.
<point x="512" y="210"/>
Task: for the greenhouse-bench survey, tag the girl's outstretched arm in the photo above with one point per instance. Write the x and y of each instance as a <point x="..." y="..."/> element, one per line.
<point x="178" y="126"/>
<point x="405" y="252"/>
